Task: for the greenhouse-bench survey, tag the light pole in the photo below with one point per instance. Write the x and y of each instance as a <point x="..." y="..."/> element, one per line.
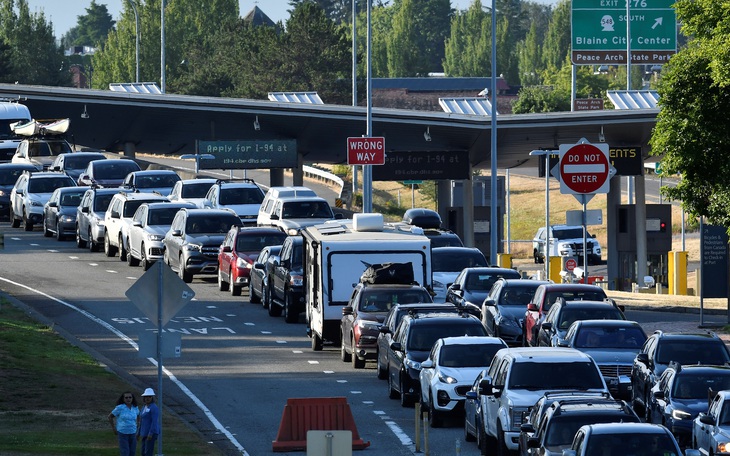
<point x="546" y="153"/>
<point x="136" y="35"/>
<point x="493" y="156"/>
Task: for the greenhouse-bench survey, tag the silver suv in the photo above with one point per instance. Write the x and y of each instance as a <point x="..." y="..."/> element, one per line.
<point x="517" y="378"/>
<point x="30" y="193"/>
<point x="243" y="197"/>
<point x="90" y="217"/>
<point x="118" y="219"/>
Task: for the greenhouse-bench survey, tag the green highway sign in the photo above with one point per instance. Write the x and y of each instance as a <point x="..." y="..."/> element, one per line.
<point x="599" y="31"/>
<point x="412" y="182"/>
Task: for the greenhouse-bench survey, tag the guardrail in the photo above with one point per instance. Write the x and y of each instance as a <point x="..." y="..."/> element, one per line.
<point x="320" y="174"/>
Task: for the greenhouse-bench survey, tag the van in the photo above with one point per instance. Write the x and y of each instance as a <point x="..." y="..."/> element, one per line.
<point x="10" y="112"/>
<point x="273" y="195"/>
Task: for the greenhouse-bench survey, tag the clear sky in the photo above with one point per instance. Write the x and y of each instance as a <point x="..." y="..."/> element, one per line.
<point x="64" y="13"/>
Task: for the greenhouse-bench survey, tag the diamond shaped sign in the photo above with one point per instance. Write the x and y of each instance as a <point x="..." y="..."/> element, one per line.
<point x="160" y="285"/>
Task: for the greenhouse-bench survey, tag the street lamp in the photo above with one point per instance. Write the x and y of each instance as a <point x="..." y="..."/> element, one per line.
<point x="136" y="35"/>
<point x="546" y="153"/>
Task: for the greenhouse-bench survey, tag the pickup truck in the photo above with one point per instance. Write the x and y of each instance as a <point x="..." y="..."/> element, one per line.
<point x="565" y="241"/>
<point x="286" y="282"/>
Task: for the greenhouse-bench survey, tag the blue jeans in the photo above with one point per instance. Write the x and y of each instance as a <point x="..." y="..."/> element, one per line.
<point x="148" y="446"/>
<point x="127" y="444"/>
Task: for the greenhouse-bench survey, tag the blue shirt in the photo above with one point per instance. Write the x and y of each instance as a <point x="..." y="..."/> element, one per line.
<point x="126" y="418"/>
<point x="150" y="424"/>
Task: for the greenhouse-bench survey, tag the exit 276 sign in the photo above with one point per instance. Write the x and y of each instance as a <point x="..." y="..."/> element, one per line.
<point x="366" y="151"/>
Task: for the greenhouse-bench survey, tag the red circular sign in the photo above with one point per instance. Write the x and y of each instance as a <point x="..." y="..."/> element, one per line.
<point x="570" y="264"/>
<point x="584" y="168"/>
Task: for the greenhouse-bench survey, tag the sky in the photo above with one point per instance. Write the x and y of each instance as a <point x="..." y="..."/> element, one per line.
<point x="64" y="13"/>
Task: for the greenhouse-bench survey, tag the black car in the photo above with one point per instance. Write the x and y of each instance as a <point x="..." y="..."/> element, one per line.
<point x="259" y="275"/>
<point x="74" y="163"/>
<point x="59" y="213"/>
<point x="504" y="308"/>
<point x="563" y="313"/>
<point x="472" y="285"/>
<point x="412" y="342"/>
<point x="660" y="349"/>
<point x="9" y="173"/>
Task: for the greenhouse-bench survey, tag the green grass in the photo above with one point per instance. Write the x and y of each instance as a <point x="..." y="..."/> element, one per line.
<point x="54" y="398"/>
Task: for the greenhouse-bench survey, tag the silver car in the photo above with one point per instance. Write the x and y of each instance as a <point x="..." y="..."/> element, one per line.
<point x="90" y="217"/>
<point x="148" y="228"/>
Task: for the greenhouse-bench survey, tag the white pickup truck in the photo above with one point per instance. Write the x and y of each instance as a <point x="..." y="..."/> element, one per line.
<point x="565" y="241"/>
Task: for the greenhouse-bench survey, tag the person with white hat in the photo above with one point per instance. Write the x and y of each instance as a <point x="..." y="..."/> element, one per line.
<point x="149" y="427"/>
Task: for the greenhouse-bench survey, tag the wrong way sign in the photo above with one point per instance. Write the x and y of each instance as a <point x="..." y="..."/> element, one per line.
<point x="366" y="151"/>
<point x="585" y="168"/>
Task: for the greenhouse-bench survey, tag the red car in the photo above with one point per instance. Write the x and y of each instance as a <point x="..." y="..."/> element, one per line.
<point x="544" y="297"/>
<point x="239" y="251"/>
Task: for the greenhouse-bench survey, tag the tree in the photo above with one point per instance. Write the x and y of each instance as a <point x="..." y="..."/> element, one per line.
<point x="528" y="55"/>
<point x="339" y="11"/>
<point x="691" y="132"/>
<point x="404" y="57"/>
<point x="468" y="49"/>
<point x="557" y="42"/>
<point x="91" y="29"/>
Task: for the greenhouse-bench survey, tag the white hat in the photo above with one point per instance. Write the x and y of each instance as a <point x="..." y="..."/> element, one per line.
<point x="148" y="392"/>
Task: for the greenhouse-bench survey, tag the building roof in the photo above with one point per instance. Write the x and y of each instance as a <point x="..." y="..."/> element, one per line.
<point x="633" y="99"/>
<point x="258" y="17"/>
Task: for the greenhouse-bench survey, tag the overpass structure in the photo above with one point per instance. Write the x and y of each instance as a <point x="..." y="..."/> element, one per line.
<point x="172" y="124"/>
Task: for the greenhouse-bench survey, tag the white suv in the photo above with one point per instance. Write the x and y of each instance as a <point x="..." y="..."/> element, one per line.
<point x="118" y="219"/>
<point x="273" y="197"/>
<point x="565" y="241"/>
<point x="243" y="197"/>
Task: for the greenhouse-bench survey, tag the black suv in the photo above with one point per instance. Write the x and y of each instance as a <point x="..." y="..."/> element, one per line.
<point x="412" y="342"/>
<point x="555" y="419"/>
<point x="286" y="281"/>
<point x="430" y="222"/>
<point x="504" y="308"/>
<point x="563" y="313"/>
<point x="365" y="313"/>
<point x="660" y="349"/>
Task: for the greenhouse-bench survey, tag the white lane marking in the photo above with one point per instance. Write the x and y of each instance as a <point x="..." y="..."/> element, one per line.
<point x="93" y="264"/>
<point x="402" y="436"/>
<point x="313" y="362"/>
<point x="74" y="257"/>
<point x="299" y="352"/>
<point x="265" y="332"/>
<point x="341" y="381"/>
<point x="131" y="278"/>
<point x="53" y="251"/>
<point x="329" y="372"/>
<point x="217" y="424"/>
<point x="112" y="271"/>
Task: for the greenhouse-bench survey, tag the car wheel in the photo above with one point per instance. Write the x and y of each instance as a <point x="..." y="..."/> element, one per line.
<point x="316" y="341"/>
<point x="144" y="261"/>
<point x="435" y="418"/>
<point x="265" y="296"/>
<point x="344" y="356"/>
<point x="357" y="363"/>
<point x="184" y="275"/>
<point x="274" y="308"/>
<point x="481" y="439"/>
<point x="405" y="399"/>
<point x="122" y="250"/>
<point x="235" y="289"/>
<point x="502" y="449"/>
<point x="132" y="261"/>
<point x="27" y="224"/>
<point x="290" y="316"/>
<point x="46" y="231"/>
<point x="382" y="371"/>
<point x="222" y="284"/>
<point x="109" y="249"/>
<point x="536" y="257"/>
<point x="59" y="233"/>
<point x="14" y="222"/>
<point x="93" y="246"/>
<point x="253" y="297"/>
<point x="468" y="436"/>
<point x="392" y="392"/>
<point x="80" y="243"/>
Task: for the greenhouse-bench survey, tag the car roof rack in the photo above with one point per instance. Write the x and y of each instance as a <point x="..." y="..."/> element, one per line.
<point x="233" y="181"/>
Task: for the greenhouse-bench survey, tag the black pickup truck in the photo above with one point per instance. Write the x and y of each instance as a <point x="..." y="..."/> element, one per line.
<point x="286" y="282"/>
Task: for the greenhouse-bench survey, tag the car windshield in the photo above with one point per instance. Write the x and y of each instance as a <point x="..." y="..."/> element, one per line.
<point x="631" y="444"/>
<point x="241" y="195"/>
<point x="306" y="209"/>
<point x="48" y="148"/>
<point x="568" y="233"/>
<point x="686" y="351"/>
<point x="587" y="295"/>
<point x="162" y="215"/>
<point x="561" y="429"/>
<point x="383" y="300"/>
<point x="9" y="176"/>
<point x="113" y="170"/>
<point x="568" y="315"/>
<point x="48" y="185"/>
<point x="455" y="261"/>
<point x="477" y="281"/>
<point x="156" y="180"/>
<point x="461" y="355"/>
<point x="101" y="202"/>
<point x="422" y="337"/>
<point x="79" y="162"/>
<point x="609" y="337"/>
<point x="211" y="224"/>
<point x="71" y="198"/>
<point x="517" y="295"/>
<point x="254" y="243"/>
<point x="131" y="207"/>
<point x="699" y="387"/>
<point x="579" y="375"/>
<point x="196" y="189"/>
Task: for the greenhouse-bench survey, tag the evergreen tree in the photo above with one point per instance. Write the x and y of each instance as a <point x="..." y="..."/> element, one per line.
<point x="91" y="29"/>
<point x="468" y="48"/>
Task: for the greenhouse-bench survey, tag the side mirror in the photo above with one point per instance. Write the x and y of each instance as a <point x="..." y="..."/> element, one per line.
<point x="455" y="287"/>
<point x="226" y="249"/>
<point x="489" y="302"/>
<point x="706" y="419"/>
<point x="642" y="358"/>
<point x="52" y="204"/>
<point x="562" y="343"/>
<point x="136" y="223"/>
<point x="177" y="233"/>
<point x="396" y="346"/>
<point x="274" y="217"/>
<point x="258" y="265"/>
<point x="547" y="326"/>
<point x="85" y="210"/>
<point x="428" y="364"/>
<point x="347" y="310"/>
<point x="658" y="394"/>
<point x="532" y="307"/>
<point x="384" y="330"/>
<point x="339" y="216"/>
<point x="527" y="427"/>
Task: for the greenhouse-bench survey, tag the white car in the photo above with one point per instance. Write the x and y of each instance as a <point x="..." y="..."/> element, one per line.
<point x="118" y="219"/>
<point x="450" y="370"/>
<point x="448" y="262"/>
<point x="243" y="197"/>
<point x="711" y="430"/>
<point x="148" y="228"/>
<point x="30" y="193"/>
<point x="191" y="191"/>
<point x="151" y="181"/>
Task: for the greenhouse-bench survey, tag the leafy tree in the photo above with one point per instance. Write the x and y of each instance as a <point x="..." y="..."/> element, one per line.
<point x="339" y="11"/>
<point x="535" y="99"/>
<point x="528" y="54"/>
<point x="691" y="131"/>
<point x="381" y="24"/>
<point x="6" y="68"/>
<point x="557" y="41"/>
<point x="468" y="48"/>
<point x="404" y="56"/>
<point x="91" y="29"/>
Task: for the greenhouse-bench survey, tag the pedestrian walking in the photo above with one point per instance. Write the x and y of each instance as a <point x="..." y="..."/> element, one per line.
<point x="149" y="427"/>
<point x="125" y="422"/>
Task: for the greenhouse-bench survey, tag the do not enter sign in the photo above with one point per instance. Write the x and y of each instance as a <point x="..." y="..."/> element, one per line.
<point x="585" y="168"/>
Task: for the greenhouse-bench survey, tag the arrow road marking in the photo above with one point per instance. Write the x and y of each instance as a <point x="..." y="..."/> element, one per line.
<point x="657" y="21"/>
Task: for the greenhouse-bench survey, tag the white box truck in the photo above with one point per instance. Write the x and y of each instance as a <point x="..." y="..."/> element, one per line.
<point x="336" y="254"/>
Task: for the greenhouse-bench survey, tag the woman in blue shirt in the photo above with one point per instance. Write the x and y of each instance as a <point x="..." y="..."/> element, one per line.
<point x="150" y="423"/>
<point x="125" y="421"/>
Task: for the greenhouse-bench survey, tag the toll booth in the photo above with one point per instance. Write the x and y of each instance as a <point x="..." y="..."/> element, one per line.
<point x="658" y="243"/>
<point x="481" y="187"/>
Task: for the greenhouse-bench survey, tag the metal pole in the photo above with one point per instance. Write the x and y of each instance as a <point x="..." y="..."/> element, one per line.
<point x="493" y="230"/>
<point x="367" y="171"/>
<point x="162" y="46"/>
<point x="136" y="33"/>
<point x="547" y="215"/>
<point x="159" y="357"/>
<point x="354" y="81"/>
<point x="628" y="45"/>
<point x="509" y="232"/>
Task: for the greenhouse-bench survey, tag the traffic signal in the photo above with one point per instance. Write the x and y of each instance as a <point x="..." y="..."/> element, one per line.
<point x="662" y="226"/>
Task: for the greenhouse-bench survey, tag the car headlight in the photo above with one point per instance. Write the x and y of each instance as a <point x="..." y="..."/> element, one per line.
<point x="243" y="264"/>
<point x="194" y="247"/>
<point x="155" y="237"/>
<point x="35" y="203"/>
<point x="681" y="415"/>
<point x="411" y="364"/>
<point x="296" y="281"/>
<point x="447" y="379"/>
<point x="4" y="193"/>
<point x="367" y="324"/>
<point x="67" y="219"/>
<point x="723" y="447"/>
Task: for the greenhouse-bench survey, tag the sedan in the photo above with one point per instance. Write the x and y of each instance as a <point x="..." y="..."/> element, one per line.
<point x="472" y="285"/>
<point x="259" y="275"/>
<point x="59" y="213"/>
